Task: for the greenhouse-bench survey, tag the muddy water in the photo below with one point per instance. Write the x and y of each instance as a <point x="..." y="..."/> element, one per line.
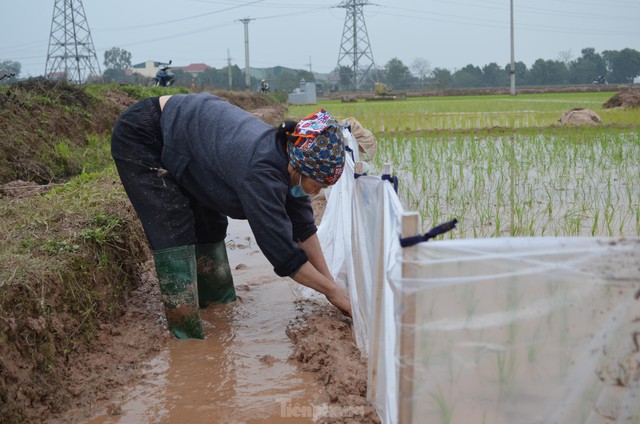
<point x="241" y="372"/>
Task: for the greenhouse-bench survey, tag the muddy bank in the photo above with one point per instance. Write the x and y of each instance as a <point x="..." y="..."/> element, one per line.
<point x="325" y="346"/>
<point x="98" y="373"/>
<point x="491" y="91"/>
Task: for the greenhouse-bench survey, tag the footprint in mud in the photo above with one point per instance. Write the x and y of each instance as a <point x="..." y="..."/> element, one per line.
<point x="268" y="360"/>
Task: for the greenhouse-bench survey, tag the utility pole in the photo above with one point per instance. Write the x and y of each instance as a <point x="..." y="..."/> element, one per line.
<point x="513" y="61"/>
<point x="229" y="69"/>
<point x="355" y="49"/>
<point x="247" y="76"/>
<point x="71" y="50"/>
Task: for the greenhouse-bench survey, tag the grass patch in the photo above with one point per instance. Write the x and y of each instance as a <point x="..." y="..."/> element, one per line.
<point x="53" y="130"/>
<point x="472" y="113"/>
<point x="69" y="260"/>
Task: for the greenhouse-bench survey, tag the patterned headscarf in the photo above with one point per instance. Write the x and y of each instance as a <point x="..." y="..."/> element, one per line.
<point x="318" y="149"/>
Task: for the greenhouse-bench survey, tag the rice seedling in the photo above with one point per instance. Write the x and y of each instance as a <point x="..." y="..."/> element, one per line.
<point x="506" y="365"/>
<point x="536" y="185"/>
<point x="442" y="405"/>
<point x="535" y="344"/>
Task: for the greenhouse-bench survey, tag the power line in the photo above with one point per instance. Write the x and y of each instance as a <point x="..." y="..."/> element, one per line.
<point x="488" y="23"/>
<point x="535" y="10"/>
<point x="186" y="18"/>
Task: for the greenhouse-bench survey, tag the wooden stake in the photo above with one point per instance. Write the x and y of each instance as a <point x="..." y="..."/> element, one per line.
<point x="410" y="227"/>
<point x="377" y="319"/>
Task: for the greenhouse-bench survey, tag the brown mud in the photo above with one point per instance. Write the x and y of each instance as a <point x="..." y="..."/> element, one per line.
<point x="269" y="358"/>
<point x="324" y="346"/>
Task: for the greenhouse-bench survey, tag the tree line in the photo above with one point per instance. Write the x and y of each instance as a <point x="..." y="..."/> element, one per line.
<point x="614" y="66"/>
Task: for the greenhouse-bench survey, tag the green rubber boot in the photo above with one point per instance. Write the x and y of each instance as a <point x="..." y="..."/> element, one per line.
<point x="215" y="283"/>
<point x="176" y="268"/>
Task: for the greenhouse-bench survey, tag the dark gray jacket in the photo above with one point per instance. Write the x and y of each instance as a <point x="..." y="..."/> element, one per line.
<point x="231" y="161"/>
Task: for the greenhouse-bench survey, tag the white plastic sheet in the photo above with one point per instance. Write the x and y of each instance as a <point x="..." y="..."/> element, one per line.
<point x="526" y="330"/>
<point x="359" y="235"/>
<point x="376" y="220"/>
<point x="514" y="330"/>
<point x="334" y="231"/>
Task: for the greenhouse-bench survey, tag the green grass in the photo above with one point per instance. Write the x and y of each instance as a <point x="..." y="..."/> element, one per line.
<point x="68" y="261"/>
<point x="136" y="91"/>
<point x="471" y="112"/>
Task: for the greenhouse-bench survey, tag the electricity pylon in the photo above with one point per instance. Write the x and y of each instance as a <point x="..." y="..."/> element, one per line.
<point x="71" y="52"/>
<point x="355" y="49"/>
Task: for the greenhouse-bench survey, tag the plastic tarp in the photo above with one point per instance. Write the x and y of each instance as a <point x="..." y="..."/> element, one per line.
<point x="334" y="231"/>
<point x="505" y="330"/>
<point x="359" y="238"/>
<point x="526" y="330"/>
<point x="376" y="221"/>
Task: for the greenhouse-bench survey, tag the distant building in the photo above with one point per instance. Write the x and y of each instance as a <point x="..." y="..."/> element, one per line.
<point x="148" y="68"/>
<point x="303" y="95"/>
<point x="194" y="69"/>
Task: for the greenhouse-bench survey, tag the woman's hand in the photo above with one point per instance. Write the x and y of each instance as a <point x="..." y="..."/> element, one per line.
<point x="339" y="297"/>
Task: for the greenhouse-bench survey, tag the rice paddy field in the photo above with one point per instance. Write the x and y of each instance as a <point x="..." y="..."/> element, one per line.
<point x="504" y="165"/>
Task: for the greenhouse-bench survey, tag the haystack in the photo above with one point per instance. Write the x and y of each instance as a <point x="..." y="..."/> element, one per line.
<point x="627" y="99"/>
<point x="580" y="116"/>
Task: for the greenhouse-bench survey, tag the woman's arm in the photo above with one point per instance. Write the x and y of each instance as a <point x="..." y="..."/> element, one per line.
<point x="315" y="274"/>
<point x="313" y="250"/>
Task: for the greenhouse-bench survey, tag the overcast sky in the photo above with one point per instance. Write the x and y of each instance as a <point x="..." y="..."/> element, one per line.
<point x="300" y="34"/>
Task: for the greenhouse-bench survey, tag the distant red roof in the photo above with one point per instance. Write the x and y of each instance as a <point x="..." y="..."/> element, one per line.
<point x="195" y="67"/>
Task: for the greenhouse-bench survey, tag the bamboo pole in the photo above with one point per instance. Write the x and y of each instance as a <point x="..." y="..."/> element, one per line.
<point x="377" y="318"/>
<point x="410" y="227"/>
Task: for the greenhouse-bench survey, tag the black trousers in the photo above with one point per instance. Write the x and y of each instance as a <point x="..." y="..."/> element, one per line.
<point x="170" y="215"/>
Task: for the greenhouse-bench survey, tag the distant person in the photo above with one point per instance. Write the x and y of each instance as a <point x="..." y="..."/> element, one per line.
<point x="189" y="161"/>
<point x="264" y="86"/>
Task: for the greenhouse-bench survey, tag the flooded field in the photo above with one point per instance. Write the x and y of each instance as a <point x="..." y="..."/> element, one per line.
<point x="525" y="330"/>
<point x="569" y="184"/>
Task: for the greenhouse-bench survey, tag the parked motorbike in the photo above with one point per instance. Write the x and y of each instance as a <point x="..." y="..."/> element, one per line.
<point x="599" y="80"/>
<point x="164" y="77"/>
<point x="264" y="86"/>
